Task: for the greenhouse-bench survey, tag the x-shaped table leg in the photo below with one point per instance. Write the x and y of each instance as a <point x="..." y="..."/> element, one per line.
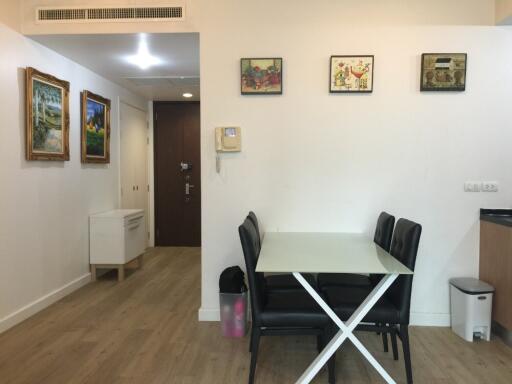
<point x="346" y="329"/>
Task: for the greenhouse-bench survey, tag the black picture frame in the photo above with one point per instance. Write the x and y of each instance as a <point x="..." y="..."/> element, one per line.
<point x="243" y="88"/>
<point x="424" y="87"/>
<point x="369" y="90"/>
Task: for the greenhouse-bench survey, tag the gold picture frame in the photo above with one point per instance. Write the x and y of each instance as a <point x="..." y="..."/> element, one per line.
<point x="47" y="116"/>
<point x="95" y="143"/>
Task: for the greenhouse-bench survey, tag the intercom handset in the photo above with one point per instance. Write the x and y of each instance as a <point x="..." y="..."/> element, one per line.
<point x="228" y="139"/>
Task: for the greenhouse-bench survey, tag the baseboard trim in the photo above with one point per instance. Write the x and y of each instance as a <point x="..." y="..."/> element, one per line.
<point x="430" y="319"/>
<point x="31" y="309"/>
<point x="210" y="314"/>
<point x="502" y="333"/>
<point x="417" y="318"/>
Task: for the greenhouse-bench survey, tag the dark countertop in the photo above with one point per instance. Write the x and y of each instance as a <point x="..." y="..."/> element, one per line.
<point x="497" y="216"/>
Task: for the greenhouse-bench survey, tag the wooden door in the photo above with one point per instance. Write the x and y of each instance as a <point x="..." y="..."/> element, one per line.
<point x="134" y="180"/>
<point x="177" y="174"/>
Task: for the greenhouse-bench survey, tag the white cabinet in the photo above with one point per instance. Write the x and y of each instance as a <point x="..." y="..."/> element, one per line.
<point x="116" y="238"/>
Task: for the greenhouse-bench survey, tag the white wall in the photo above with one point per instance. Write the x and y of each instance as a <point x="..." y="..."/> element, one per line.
<point x="45" y="205"/>
<point x="10" y="14"/>
<point x="199" y="13"/>
<point x="312" y="161"/>
<point x="504" y="12"/>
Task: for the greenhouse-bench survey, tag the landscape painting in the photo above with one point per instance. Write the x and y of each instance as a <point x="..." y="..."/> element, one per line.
<point x="262" y="76"/>
<point x="351" y="74"/>
<point x="95" y="128"/>
<point x="47" y="117"/>
<point x="443" y="71"/>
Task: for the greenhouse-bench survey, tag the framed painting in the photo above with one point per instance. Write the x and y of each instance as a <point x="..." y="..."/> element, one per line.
<point x="95" y="128"/>
<point x="351" y="74"/>
<point x="262" y="76"/>
<point x="443" y="72"/>
<point x="47" y="117"/>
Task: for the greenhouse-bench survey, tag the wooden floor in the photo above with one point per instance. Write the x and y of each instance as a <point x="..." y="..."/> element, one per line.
<point x="145" y="330"/>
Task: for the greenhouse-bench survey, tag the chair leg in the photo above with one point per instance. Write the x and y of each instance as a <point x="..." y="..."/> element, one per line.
<point x="251" y="338"/>
<point x="404" y="335"/>
<point x="331" y="363"/>
<point x="319" y="343"/>
<point x="254" y="353"/>
<point x="385" y="341"/>
<point x="394" y="344"/>
<point x="331" y="368"/>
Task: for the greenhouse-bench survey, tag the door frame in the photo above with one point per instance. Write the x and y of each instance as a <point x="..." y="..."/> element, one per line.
<point x="153" y="142"/>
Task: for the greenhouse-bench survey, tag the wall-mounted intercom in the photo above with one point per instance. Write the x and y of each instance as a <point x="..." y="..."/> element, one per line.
<point x="228" y="139"/>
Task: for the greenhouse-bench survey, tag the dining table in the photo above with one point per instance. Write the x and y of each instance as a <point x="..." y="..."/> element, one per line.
<point x="319" y="252"/>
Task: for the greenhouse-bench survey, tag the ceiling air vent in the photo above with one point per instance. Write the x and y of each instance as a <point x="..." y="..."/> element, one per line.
<point x="108" y="14"/>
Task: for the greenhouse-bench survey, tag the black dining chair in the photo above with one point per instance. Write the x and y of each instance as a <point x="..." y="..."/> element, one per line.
<point x="282" y="281"/>
<point x="392" y="311"/>
<point x="382" y="237"/>
<point x="286" y="312"/>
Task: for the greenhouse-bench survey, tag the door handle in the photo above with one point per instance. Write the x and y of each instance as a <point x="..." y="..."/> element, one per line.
<point x="185" y="166"/>
<point x="187" y="188"/>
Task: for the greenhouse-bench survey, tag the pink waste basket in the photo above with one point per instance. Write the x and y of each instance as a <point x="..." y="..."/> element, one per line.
<point x="233" y="314"/>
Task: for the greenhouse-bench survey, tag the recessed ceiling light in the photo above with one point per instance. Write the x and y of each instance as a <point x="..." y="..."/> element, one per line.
<point x="187" y="95"/>
<point x="143" y="59"/>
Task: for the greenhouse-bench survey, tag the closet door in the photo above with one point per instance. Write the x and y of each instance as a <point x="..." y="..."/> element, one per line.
<point x="134" y="161"/>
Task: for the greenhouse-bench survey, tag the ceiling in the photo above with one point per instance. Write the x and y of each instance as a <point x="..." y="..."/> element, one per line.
<point x="108" y="55"/>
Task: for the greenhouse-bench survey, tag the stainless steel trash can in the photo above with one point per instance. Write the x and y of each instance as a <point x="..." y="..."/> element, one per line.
<point x="471" y="306"/>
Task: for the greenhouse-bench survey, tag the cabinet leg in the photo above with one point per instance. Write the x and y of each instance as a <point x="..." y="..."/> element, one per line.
<point x="120" y="273"/>
<point x="93" y="272"/>
<point x="141" y="261"/>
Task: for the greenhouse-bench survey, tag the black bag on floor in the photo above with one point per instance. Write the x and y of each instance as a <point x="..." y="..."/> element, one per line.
<point x="232" y="280"/>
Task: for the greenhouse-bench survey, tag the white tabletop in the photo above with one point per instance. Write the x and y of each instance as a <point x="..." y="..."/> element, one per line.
<point x="324" y="253"/>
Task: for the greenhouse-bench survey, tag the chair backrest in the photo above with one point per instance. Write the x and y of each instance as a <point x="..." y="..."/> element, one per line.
<point x="404" y="247"/>
<point x="254" y="219"/>
<point x="249" y="240"/>
<point x="384" y="230"/>
<point x="382" y="237"/>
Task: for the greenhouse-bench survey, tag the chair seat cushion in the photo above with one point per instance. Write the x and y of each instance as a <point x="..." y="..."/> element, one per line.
<point x="292" y="308"/>
<point x="345" y="300"/>
<point x="287" y="281"/>
<point x="343" y="279"/>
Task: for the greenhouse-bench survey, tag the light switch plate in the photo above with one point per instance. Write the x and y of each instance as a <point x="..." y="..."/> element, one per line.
<point x="472" y="186"/>
<point x="489" y="186"/>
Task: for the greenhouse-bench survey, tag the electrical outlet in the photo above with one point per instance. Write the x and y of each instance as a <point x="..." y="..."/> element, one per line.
<point x="490" y="186"/>
<point x="471" y="186"/>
